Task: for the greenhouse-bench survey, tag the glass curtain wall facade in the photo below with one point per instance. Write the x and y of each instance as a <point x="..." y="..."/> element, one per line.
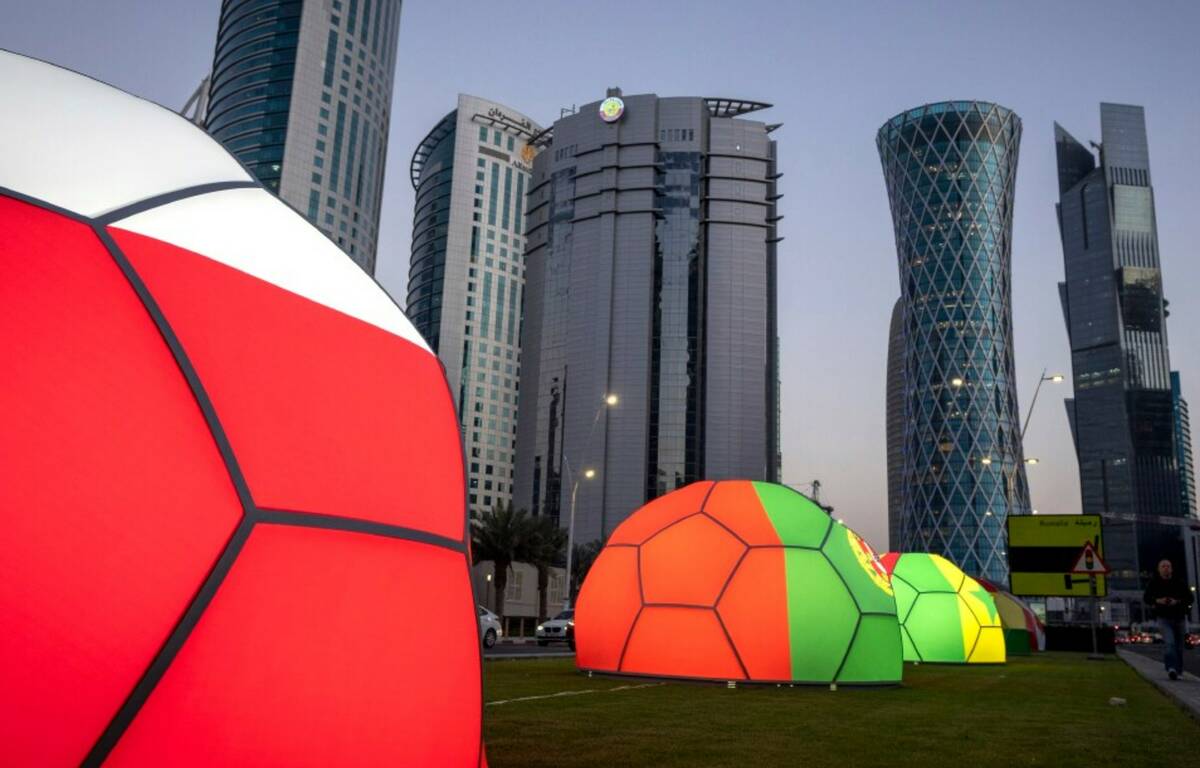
<point x="1122" y="414"/>
<point x="1183" y="449"/>
<point x="895" y="425"/>
<point x="950" y="170"/>
<point x="651" y="276"/>
<point x="467" y="276"/>
<point x="301" y="93"/>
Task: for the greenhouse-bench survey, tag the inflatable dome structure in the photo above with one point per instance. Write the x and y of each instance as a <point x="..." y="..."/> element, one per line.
<point x="945" y="615"/>
<point x="231" y="468"/>
<point x="1024" y="632"/>
<point x="738" y="581"/>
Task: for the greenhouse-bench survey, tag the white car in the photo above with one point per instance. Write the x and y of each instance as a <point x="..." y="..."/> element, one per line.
<point x="559" y="629"/>
<point x="489" y="627"/>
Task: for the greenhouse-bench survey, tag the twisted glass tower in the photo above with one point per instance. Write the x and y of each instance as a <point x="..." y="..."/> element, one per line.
<point x="950" y="169"/>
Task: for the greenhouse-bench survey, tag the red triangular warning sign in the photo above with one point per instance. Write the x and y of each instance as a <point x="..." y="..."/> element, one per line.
<point x="1089" y="561"/>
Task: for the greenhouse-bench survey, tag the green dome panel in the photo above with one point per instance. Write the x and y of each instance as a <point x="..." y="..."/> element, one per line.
<point x="936" y="638"/>
<point x="797" y="520"/>
<point x="875" y="652"/>
<point x="821" y="615"/>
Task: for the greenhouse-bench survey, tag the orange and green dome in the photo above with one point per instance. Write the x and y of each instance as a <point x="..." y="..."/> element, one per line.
<point x="945" y="615"/>
<point x="738" y="580"/>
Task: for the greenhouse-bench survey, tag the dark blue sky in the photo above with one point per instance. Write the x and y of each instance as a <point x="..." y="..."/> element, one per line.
<point x="835" y="72"/>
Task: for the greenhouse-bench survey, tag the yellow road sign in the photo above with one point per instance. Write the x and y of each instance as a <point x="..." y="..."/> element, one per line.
<point x="1043" y="550"/>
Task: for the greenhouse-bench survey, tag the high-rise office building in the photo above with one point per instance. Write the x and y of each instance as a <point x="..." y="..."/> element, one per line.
<point x="301" y="93"/>
<point x="651" y="253"/>
<point x="1183" y="449"/>
<point x="895" y="425"/>
<point x="467" y="275"/>
<point x="950" y="170"/>
<point x="1121" y="413"/>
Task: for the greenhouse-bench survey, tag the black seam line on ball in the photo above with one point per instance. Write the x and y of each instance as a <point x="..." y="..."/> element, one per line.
<point x="45" y="205"/>
<point x="182" y="630"/>
<point x="165" y="198"/>
<point x="354" y="525"/>
<point x="185" y="366"/>
<point x="170" y="649"/>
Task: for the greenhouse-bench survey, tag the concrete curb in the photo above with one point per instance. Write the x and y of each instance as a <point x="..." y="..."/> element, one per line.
<point x="1185" y="691"/>
<point x="518" y="656"/>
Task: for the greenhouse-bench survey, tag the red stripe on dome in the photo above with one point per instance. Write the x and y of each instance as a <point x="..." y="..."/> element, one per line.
<point x="326" y="413"/>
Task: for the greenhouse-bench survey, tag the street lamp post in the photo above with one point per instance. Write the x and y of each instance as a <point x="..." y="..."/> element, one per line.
<point x="1056" y="378"/>
<point x="610" y="400"/>
<point x="1012" y="475"/>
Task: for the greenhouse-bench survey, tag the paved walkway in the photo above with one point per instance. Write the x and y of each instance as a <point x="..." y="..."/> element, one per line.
<point x="1185" y="691"/>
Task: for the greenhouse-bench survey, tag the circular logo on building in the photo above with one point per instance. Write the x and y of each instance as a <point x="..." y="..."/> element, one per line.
<point x="611" y="109"/>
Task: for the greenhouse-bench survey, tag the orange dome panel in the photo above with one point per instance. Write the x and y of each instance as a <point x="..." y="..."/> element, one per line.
<point x="668" y="562"/>
<point x="680" y="642"/>
<point x="607" y="608"/>
<point x="660" y="513"/>
<point x="735" y="505"/>
<point x="754" y="611"/>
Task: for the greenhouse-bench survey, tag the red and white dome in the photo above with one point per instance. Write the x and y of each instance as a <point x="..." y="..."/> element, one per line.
<point x="231" y="482"/>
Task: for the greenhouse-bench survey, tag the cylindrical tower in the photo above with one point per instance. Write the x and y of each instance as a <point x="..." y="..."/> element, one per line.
<point x="301" y="93"/>
<point x="950" y="170"/>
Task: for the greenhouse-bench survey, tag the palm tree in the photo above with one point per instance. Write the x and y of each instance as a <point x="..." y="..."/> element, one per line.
<point x="548" y="547"/>
<point x="582" y="557"/>
<point x="502" y="536"/>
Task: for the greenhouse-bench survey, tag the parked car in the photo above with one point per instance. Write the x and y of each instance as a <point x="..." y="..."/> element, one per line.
<point x="559" y="629"/>
<point x="489" y="627"/>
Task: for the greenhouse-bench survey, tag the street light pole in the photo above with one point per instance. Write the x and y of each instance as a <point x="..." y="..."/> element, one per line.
<point x="609" y="401"/>
<point x="1012" y="475"/>
<point x="1056" y="378"/>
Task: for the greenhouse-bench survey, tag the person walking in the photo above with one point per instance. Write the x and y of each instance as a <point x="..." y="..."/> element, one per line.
<point x="1170" y="600"/>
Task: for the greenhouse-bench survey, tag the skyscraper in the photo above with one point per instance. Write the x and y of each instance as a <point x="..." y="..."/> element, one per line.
<point x="950" y="170"/>
<point x="467" y="275"/>
<point x="1183" y="449"/>
<point x="651" y="278"/>
<point x="895" y="425"/>
<point x="1112" y="298"/>
<point x="301" y="93"/>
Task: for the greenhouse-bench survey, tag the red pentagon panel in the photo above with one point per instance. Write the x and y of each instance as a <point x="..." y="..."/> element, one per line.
<point x="660" y="513"/>
<point x="322" y="647"/>
<point x="309" y="396"/>
<point x="114" y="500"/>
<point x="731" y="502"/>
<point x="669" y="572"/>
<point x="608" y="603"/>
<point x="754" y="611"/>
<point x="680" y="642"/>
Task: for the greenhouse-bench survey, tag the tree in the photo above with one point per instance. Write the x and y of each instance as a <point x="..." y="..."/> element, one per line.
<point x="501" y="536"/>
<point x="582" y="557"/>
<point x="548" y="548"/>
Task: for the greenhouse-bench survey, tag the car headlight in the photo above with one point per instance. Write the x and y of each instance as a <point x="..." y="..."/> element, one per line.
<point x="571" y="623"/>
<point x="540" y="628"/>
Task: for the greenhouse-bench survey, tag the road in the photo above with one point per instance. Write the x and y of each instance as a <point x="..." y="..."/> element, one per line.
<point x="1191" y="656"/>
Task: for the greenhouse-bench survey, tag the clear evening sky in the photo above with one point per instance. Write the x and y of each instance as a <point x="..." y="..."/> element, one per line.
<point x="835" y="71"/>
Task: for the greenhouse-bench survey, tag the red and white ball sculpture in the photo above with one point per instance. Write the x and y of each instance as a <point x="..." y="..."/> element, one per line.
<point x="231" y="486"/>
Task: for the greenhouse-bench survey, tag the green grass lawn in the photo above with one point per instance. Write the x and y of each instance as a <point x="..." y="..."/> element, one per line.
<point x="1045" y="710"/>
